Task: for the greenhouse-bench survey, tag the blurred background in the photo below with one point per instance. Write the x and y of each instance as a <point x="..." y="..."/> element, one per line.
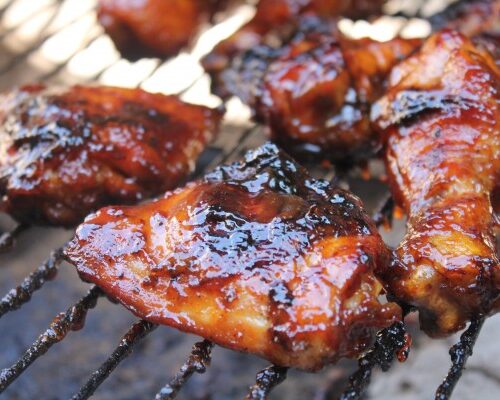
<point x="60" y="41"/>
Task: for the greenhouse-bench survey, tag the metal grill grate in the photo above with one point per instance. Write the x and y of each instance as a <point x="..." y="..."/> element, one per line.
<point x="30" y="35"/>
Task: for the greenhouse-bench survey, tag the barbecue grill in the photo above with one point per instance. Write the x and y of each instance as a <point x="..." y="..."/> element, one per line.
<point x="59" y="41"/>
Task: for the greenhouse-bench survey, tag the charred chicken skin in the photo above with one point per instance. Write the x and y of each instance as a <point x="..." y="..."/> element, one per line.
<point x="67" y="151"/>
<point x="314" y="95"/>
<point x="257" y="256"/>
<point x="441" y="121"/>
<point x="158" y="28"/>
<point x="276" y="18"/>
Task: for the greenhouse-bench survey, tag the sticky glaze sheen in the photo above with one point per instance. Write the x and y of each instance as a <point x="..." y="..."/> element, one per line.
<point x="441" y="121"/>
<point x="64" y="152"/>
<point x="274" y="20"/>
<point x="315" y="93"/>
<point x="257" y="256"/>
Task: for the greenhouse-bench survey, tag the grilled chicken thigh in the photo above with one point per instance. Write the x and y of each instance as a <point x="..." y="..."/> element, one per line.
<point x="257" y="256"/>
<point x="314" y="94"/>
<point x="155" y="27"/>
<point x="276" y="18"/>
<point x="441" y="121"/>
<point x="67" y="151"/>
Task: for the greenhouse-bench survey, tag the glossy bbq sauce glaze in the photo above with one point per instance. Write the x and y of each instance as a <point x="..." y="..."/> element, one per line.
<point x="441" y="121"/>
<point x="273" y="22"/>
<point x="65" y="152"/>
<point x="256" y="256"/>
<point x="314" y="93"/>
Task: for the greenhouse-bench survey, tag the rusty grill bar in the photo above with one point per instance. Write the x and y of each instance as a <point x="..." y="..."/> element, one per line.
<point x="197" y="362"/>
<point x="137" y="332"/>
<point x="389" y="342"/>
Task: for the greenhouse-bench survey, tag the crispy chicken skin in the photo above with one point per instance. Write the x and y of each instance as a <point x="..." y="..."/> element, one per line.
<point x="65" y="152"/>
<point x="314" y="95"/>
<point x="441" y="121"/>
<point x="159" y="28"/>
<point x="257" y="256"/>
<point x="276" y="18"/>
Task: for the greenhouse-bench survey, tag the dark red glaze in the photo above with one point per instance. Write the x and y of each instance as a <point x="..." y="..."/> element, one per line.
<point x="274" y="19"/>
<point x="315" y="94"/>
<point x="257" y="256"/>
<point x="441" y="121"/>
<point x="67" y="151"/>
<point x="161" y="28"/>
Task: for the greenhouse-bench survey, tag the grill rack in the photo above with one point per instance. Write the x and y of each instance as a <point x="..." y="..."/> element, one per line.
<point x="390" y="342"/>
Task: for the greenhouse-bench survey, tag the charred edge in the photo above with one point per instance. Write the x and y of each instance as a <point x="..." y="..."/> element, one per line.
<point x="22" y="294"/>
<point x="388" y="343"/>
<point x="72" y="320"/>
<point x="198" y="362"/>
<point x="138" y="331"/>
<point x="8" y="239"/>
<point x="266" y="381"/>
<point x="459" y="353"/>
<point x="383" y="214"/>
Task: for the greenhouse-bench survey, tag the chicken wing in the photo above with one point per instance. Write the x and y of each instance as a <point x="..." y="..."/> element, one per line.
<point x="154" y="27"/>
<point x="276" y="18"/>
<point x="314" y="95"/>
<point x="441" y="121"/>
<point x="257" y="256"/>
<point x="67" y="151"/>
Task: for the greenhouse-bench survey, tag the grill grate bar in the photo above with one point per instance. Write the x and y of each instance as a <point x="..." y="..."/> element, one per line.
<point x="389" y="342"/>
<point x="43" y="37"/>
<point x="5" y="7"/>
<point x="266" y="381"/>
<point x="72" y="320"/>
<point x="7" y="239"/>
<point x="459" y="353"/>
<point x="33" y="282"/>
<point x="87" y="41"/>
<point x="197" y="362"/>
<point x="28" y="18"/>
<point x="137" y="332"/>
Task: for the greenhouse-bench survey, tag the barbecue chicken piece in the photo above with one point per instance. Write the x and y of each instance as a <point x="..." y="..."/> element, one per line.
<point x="257" y="256"/>
<point x="67" y="151"/>
<point x="441" y="121"/>
<point x="478" y="19"/>
<point x="471" y="17"/>
<point x="274" y="19"/>
<point x="314" y="95"/>
<point x="155" y="27"/>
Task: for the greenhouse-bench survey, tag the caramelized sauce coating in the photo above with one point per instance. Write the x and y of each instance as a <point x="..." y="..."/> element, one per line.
<point x="159" y="28"/>
<point x="315" y="94"/>
<point x="65" y="152"/>
<point x="274" y="20"/>
<point x="257" y="256"/>
<point x="441" y="121"/>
